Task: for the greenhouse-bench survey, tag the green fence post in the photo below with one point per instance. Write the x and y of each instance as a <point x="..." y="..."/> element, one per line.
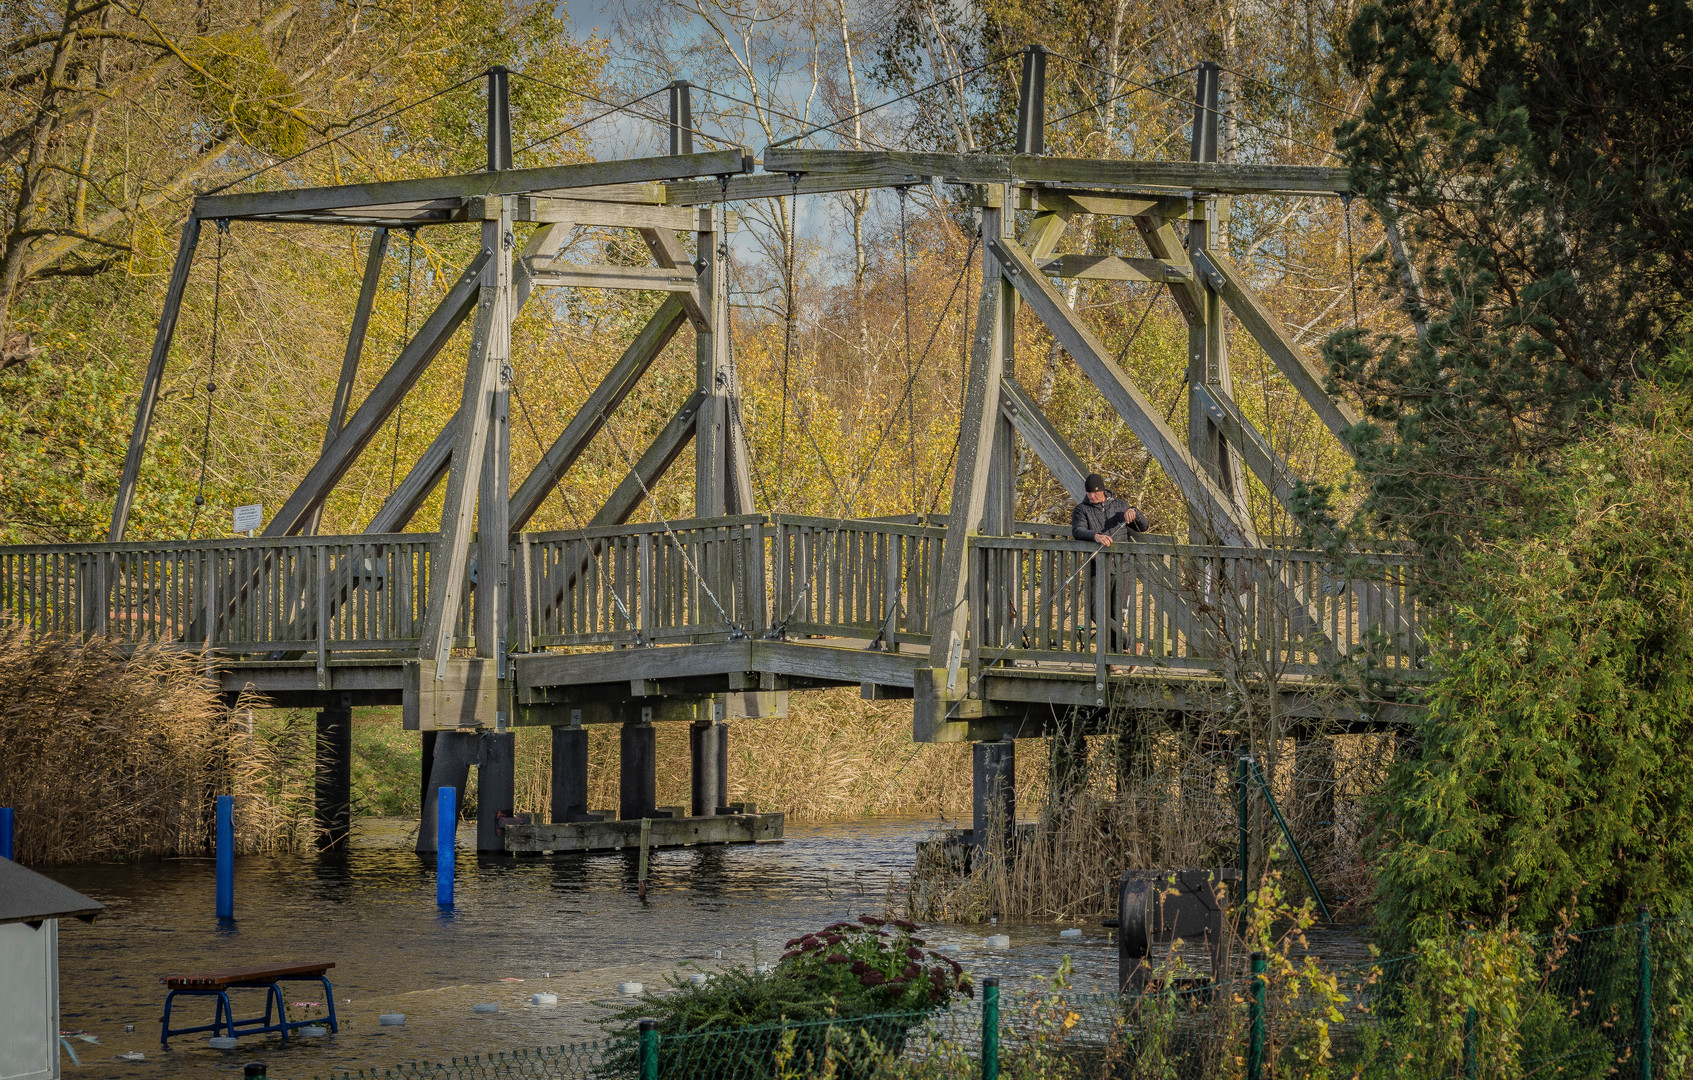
<point x="649" y="1049"/>
<point x="1645" y="1005"/>
<point x="1469" y="1044"/>
<point x="1245" y="830"/>
<point x="1255" y="1051"/>
<point x="990" y="1028"/>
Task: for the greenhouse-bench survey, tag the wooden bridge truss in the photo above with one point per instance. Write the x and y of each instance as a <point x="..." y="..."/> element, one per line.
<point x="984" y="622"/>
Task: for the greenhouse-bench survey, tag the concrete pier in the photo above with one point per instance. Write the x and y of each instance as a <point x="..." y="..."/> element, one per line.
<point x="993" y="790"/>
<point x="333" y="810"/>
<point x="496" y="788"/>
<point x="708" y="745"/>
<point x="637" y="771"/>
<point x="455" y="753"/>
<point x="570" y="774"/>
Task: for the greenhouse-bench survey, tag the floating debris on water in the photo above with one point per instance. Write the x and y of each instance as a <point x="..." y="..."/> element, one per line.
<point x="392" y="1020"/>
<point x="486" y="1007"/>
<point x="1073" y="932"/>
<point x="999" y="941"/>
<point x="697" y="978"/>
<point x="543" y="999"/>
<point x="132" y="1055"/>
<point x="629" y="988"/>
<point x="221" y="1042"/>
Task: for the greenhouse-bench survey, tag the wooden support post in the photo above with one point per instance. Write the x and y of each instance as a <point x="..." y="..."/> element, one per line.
<point x="350" y="358"/>
<point x="1208" y="355"/>
<point x="155" y="377"/>
<point x="1206" y="500"/>
<point x="489" y="353"/>
<point x="374" y="411"/>
<point x="950" y="616"/>
<point x="993" y="793"/>
<point x="617" y="384"/>
<point x="709" y="788"/>
<point x="637" y="765"/>
<point x="711" y="475"/>
<point x="334" y="789"/>
<point x="570" y="774"/>
<point x="496" y="788"/>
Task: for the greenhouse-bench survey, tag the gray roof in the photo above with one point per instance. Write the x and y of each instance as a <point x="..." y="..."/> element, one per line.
<point x="26" y="896"/>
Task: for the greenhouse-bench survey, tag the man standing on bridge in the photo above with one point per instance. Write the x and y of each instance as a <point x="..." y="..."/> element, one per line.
<point x="1102" y="518"/>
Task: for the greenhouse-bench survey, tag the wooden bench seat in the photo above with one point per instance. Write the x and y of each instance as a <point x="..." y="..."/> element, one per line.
<point x="268" y="978"/>
<point x="253" y="976"/>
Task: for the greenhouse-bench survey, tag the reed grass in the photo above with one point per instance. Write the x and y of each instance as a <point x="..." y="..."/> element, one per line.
<point x="1158" y="799"/>
<point x="108" y="755"/>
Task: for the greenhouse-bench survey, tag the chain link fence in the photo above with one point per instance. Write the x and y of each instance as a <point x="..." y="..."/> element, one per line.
<point x="1604" y="1003"/>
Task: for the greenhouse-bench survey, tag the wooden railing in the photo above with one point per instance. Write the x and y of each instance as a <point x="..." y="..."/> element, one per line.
<point x="1269" y="610"/>
<point x="640" y="584"/>
<point x="235" y="596"/>
<point x="1032" y="598"/>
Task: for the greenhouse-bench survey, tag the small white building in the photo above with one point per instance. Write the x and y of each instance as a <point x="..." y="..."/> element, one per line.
<point x="30" y="909"/>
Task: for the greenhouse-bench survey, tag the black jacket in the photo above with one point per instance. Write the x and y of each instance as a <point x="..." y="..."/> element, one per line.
<point x="1109" y="517"/>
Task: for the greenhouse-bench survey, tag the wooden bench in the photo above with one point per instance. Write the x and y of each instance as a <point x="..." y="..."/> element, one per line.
<point x="269" y="978"/>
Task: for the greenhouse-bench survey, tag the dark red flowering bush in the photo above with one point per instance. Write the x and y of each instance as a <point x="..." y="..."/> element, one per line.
<point x="873" y="965"/>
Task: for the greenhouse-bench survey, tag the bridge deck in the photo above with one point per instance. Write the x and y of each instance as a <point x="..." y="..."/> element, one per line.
<point x="752" y="603"/>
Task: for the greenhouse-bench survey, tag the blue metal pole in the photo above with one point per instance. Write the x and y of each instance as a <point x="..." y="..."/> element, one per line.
<point x="226" y="856"/>
<point x="8" y="821"/>
<point x="446" y="839"/>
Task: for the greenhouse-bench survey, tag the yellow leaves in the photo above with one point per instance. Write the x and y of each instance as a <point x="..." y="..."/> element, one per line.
<point x="236" y="77"/>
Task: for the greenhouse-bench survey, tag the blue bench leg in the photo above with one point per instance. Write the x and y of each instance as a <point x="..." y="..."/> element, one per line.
<point x="228" y="1014"/>
<point x="329" y="1000"/>
<point x="164" y="1022"/>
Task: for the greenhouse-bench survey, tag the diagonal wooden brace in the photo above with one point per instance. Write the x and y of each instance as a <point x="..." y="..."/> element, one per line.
<point x="1210" y="505"/>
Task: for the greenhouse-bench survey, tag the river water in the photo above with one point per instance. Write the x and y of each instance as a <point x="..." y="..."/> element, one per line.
<point x="567" y="925"/>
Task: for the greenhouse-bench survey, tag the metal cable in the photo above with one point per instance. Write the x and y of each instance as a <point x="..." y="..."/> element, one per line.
<point x="211" y="383"/>
<point x="405" y="339"/>
<point x="344" y="134"/>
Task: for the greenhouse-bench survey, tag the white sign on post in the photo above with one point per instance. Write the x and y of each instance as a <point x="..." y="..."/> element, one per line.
<point x="248" y="518"/>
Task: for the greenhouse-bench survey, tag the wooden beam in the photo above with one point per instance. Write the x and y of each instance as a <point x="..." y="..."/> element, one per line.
<point x="472" y="185"/>
<point x="975" y="451"/>
<point x="1052" y="448"/>
<point x="605" y="215"/>
<point x="640" y="278"/>
<point x="668" y="251"/>
<point x="399" y="508"/>
<point x="155" y="376"/>
<point x="1113" y="268"/>
<point x="1199" y="176"/>
<point x="1161" y="240"/>
<point x="350" y="358"/>
<point x="1108" y="203"/>
<point x="768" y="186"/>
<point x="368" y="419"/>
<point x="1221" y="274"/>
<point x="649" y="192"/>
<point x="490" y="351"/>
<point x="652" y="466"/>
<point x="1208" y="501"/>
<point x="1254" y="449"/>
<point x="406" y="499"/>
<point x="617" y="384"/>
